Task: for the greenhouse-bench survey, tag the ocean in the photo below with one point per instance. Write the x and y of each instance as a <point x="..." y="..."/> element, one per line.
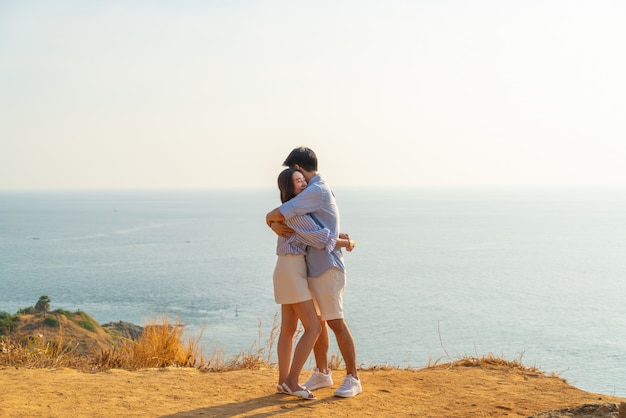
<point x="536" y="274"/>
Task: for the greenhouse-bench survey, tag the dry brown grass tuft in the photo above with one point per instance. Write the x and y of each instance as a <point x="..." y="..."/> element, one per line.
<point x="33" y="351"/>
<point x="160" y="345"/>
<point x="256" y="357"/>
<point x="493" y="361"/>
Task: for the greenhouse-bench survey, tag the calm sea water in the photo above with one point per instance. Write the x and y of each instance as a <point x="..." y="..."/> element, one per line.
<point x="534" y="273"/>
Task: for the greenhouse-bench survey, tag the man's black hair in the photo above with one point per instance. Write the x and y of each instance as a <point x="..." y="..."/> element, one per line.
<point x="302" y="156"/>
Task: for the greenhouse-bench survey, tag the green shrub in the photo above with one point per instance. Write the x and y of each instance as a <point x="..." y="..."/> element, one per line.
<point x="8" y="322"/>
<point x="51" y="322"/>
<point x="27" y="311"/>
<point x="65" y="313"/>
<point x="87" y="322"/>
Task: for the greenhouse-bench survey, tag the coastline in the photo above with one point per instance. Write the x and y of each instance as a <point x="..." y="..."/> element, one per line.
<point x="117" y="257"/>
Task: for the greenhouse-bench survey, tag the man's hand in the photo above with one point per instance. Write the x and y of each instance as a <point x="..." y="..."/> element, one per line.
<point x="351" y="243"/>
<point x="281" y="229"/>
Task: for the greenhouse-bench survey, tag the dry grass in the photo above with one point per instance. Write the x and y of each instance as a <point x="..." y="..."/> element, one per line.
<point x="256" y="357"/>
<point x="35" y="352"/>
<point x="488" y="360"/>
<point x="162" y="345"/>
<point x="493" y="361"/>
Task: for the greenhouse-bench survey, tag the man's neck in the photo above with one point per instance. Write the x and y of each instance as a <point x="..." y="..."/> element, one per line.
<point x="308" y="175"/>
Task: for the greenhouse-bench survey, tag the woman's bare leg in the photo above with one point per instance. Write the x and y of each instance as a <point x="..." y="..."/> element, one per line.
<point x="312" y="328"/>
<point x="288" y="324"/>
<point x="320" y="350"/>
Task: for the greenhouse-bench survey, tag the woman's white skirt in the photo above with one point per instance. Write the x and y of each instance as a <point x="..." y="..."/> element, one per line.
<point x="290" y="280"/>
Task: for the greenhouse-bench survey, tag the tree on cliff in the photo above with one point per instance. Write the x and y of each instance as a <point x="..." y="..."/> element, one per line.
<point x="43" y="305"/>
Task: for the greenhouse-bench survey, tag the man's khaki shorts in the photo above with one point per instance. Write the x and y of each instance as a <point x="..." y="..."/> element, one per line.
<point x="327" y="290"/>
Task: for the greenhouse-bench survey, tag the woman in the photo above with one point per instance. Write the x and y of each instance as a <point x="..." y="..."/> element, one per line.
<point x="291" y="288"/>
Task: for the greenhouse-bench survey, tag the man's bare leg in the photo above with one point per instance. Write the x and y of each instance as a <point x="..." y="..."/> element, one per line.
<point x="345" y="341"/>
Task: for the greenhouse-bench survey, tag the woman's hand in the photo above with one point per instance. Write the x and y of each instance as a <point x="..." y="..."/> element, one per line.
<point x="273" y="216"/>
<point x="281" y="229"/>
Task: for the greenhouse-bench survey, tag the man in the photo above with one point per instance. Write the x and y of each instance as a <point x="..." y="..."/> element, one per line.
<point x="326" y="271"/>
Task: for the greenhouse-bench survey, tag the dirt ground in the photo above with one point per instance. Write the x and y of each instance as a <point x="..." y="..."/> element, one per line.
<point x="444" y="391"/>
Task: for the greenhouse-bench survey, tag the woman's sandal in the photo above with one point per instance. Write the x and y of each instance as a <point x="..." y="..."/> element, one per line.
<point x="280" y="389"/>
<point x="302" y="394"/>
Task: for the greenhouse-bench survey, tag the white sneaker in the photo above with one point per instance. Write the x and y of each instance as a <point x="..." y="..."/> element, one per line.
<point x="318" y="380"/>
<point x="350" y="387"/>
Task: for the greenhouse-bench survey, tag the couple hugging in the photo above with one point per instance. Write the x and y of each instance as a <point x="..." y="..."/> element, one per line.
<point x="309" y="278"/>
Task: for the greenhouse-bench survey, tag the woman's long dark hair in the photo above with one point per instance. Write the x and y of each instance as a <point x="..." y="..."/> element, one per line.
<point x="286" y="185"/>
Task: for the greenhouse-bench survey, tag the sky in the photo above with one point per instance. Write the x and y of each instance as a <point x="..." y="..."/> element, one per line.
<point x="214" y="94"/>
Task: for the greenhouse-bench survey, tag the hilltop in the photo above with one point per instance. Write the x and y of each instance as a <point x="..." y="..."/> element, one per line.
<point x="487" y="386"/>
<point x="451" y="390"/>
<point x="77" y="331"/>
